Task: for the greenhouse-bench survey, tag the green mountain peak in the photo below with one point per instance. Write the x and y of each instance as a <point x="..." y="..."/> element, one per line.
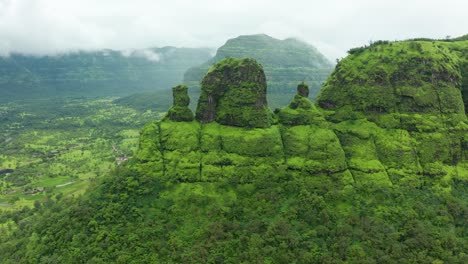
<point x="285" y="62"/>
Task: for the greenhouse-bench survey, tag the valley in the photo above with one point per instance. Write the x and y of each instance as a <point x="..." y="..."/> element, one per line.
<point x="62" y="146"/>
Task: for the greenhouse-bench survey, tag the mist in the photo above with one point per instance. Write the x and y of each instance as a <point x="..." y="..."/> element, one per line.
<point x="41" y="27"/>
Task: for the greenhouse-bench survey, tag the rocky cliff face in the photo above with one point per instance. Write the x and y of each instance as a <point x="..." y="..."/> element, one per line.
<point x="382" y="119"/>
<point x="412" y="90"/>
<point x="414" y="77"/>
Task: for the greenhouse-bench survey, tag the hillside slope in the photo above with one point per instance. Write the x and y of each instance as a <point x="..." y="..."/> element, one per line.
<point x="99" y="73"/>
<point x="375" y="172"/>
<point x="286" y="63"/>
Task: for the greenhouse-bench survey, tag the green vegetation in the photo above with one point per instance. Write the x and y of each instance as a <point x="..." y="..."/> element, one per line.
<point x="62" y="146"/>
<point x="416" y="87"/>
<point x="286" y="63"/>
<point x="99" y="73"/>
<point x="155" y="101"/>
<point x="402" y="77"/>
<point x="375" y="172"/>
<point x="180" y="111"/>
<point x="461" y="38"/>
<point x="234" y="93"/>
<point x="300" y="111"/>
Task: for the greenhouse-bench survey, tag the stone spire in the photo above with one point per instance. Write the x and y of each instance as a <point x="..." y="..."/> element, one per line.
<point x="180" y="112"/>
<point x="303" y="89"/>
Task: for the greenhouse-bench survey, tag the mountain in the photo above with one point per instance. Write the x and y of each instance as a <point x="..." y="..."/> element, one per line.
<point x="286" y="63"/>
<point x="98" y="73"/>
<point x="157" y="101"/>
<point x="464" y="37"/>
<point x="376" y="171"/>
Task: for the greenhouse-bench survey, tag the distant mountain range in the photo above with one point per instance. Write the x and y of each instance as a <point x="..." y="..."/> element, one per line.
<point x="151" y="73"/>
<point x="98" y="73"/>
<point x="286" y="62"/>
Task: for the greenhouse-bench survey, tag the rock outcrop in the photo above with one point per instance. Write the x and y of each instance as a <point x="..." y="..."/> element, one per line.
<point x="403" y="77"/>
<point x="300" y="110"/>
<point x="180" y="112"/>
<point x="234" y="94"/>
<point x="409" y="94"/>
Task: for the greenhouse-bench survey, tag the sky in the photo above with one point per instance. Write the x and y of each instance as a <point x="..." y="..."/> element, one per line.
<point x="42" y="27"/>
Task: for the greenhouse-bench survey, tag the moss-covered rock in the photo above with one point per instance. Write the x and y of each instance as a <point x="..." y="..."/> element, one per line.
<point x="403" y="77"/>
<point x="312" y="150"/>
<point x="150" y="155"/>
<point x="180" y="111"/>
<point x="390" y="114"/>
<point x="300" y="110"/>
<point x="234" y="94"/>
<point x="412" y="93"/>
<point x="460" y="48"/>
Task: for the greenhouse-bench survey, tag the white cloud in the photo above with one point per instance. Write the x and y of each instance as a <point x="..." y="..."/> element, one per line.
<point x="144" y="53"/>
<point x="148" y="54"/>
<point x="334" y="26"/>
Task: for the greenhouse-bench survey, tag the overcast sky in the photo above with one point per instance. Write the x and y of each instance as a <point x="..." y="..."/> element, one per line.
<point x="333" y="26"/>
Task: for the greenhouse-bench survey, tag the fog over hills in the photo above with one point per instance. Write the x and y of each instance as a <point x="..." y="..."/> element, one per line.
<point x="97" y="73"/>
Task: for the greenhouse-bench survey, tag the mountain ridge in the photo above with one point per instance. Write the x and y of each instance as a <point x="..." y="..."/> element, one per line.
<point x="95" y="73"/>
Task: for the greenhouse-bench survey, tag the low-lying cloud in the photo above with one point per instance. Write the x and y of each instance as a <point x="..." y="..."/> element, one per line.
<point x="144" y="53"/>
<point x="334" y="26"/>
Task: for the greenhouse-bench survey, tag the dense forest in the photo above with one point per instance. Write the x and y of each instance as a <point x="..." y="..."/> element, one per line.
<point x="376" y="171"/>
